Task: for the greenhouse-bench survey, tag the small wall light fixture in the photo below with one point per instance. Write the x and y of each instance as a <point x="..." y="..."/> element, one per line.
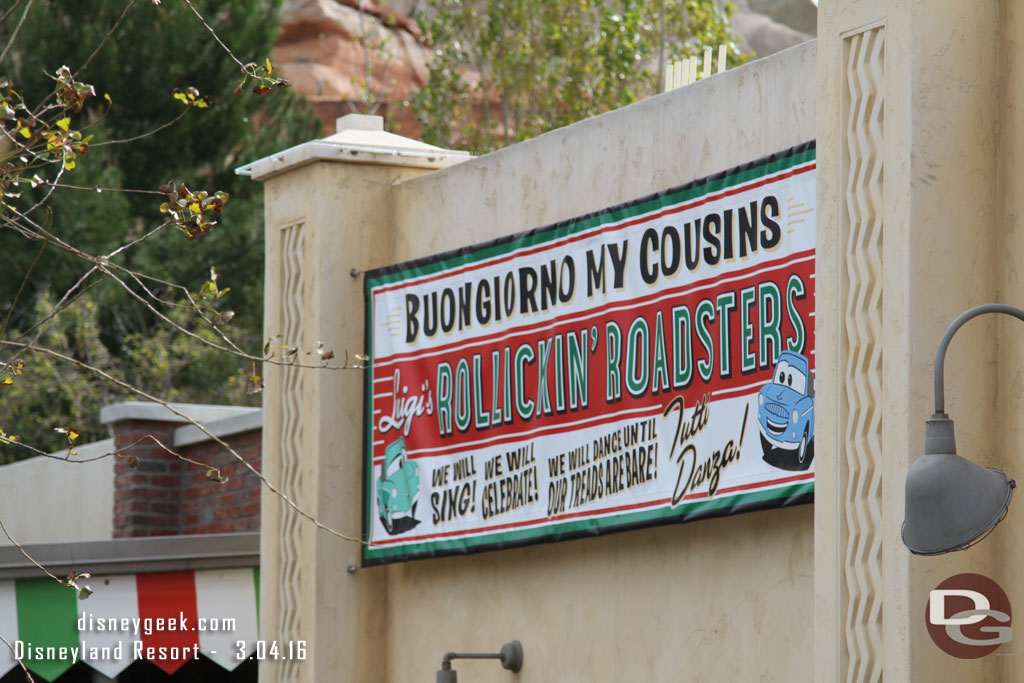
<point x="511" y="657"/>
<point x="952" y="503"/>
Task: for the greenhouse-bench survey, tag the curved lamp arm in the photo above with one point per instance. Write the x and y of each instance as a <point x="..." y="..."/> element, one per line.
<point x="940" y="354"/>
<point x="511" y="656"/>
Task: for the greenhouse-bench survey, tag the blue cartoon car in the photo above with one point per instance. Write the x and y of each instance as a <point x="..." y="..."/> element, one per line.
<point x="397" y="488"/>
<point x="785" y="414"/>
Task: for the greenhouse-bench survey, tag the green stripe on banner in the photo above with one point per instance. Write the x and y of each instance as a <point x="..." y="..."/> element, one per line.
<point x="256" y="578"/>
<point x="47" y="617"/>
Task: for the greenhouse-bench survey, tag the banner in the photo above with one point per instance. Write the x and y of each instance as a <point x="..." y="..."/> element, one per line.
<point x="166" y="618"/>
<point x="648" y="363"/>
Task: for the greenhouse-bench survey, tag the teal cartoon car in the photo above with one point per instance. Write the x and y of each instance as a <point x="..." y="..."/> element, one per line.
<point x="785" y="414"/>
<point x="397" y="488"/>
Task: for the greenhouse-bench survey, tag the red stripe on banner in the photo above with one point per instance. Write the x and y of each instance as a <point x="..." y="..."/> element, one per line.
<point x="593" y="513"/>
<point x="749" y="487"/>
<point x="168" y="602"/>
<point x="493" y="379"/>
<point x="608" y="228"/>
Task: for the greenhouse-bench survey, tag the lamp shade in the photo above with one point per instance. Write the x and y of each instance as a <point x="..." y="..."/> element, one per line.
<point x="950" y="501"/>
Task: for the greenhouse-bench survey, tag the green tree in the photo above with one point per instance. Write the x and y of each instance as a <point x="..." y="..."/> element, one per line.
<point x="163" y="108"/>
<point x="54" y="394"/>
<point x="508" y="70"/>
<point x="57" y="395"/>
<point x="105" y="236"/>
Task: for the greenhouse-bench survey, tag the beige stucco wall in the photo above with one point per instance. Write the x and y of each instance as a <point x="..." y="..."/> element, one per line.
<point x="1010" y="257"/>
<point x="48" y="500"/>
<point x="723" y="599"/>
<point x="919" y="129"/>
<point x="726" y="598"/>
<point x="738" y="116"/>
<point x="322" y="220"/>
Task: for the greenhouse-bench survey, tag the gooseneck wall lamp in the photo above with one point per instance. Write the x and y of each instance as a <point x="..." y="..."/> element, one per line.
<point x="952" y="503"/>
<point x="511" y="657"/>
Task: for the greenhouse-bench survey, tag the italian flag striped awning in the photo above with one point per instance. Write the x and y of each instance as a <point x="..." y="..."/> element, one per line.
<point x="167" y="618"/>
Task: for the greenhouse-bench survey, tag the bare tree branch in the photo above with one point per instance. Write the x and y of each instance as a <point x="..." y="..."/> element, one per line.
<point x="185" y="418"/>
<point x="17" y="29"/>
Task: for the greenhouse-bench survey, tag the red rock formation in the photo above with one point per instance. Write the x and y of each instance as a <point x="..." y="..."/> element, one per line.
<point x="327" y="48"/>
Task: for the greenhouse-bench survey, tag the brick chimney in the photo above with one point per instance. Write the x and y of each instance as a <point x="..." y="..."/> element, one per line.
<point x="157" y="493"/>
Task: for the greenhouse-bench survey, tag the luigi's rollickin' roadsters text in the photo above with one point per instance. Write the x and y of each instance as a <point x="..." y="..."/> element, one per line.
<point x="649" y="363"/>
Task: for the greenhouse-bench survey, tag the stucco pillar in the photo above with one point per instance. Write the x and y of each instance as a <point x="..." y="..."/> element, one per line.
<point x="908" y="117"/>
<point x="328" y="217"/>
<point x="1011" y="362"/>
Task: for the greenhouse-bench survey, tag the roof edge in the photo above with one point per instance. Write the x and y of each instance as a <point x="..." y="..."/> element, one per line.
<point x="133" y="555"/>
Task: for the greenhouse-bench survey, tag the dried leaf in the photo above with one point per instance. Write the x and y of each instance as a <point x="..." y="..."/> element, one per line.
<point x="254" y="384"/>
<point x="72" y="582"/>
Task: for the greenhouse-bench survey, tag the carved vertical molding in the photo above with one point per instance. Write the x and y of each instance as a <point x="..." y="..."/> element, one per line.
<point x="860" y="354"/>
<point x="290" y="448"/>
